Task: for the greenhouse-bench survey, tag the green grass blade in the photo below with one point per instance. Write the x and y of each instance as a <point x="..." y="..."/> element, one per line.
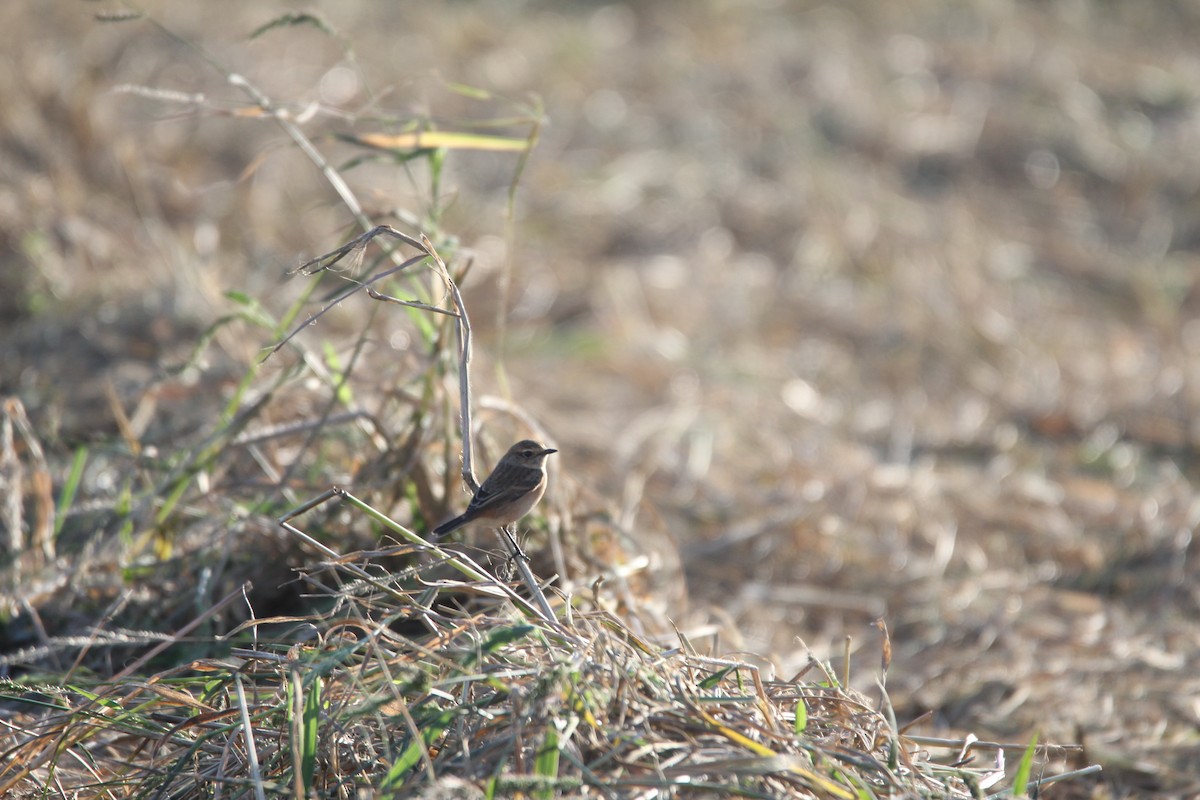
<point x="1021" y="778"/>
<point x="546" y="764"/>
<point x="714" y="679"/>
<point x="69" y="489"/>
<point x="431" y="730"/>
<point x="801" y="722"/>
<point x="310" y="727"/>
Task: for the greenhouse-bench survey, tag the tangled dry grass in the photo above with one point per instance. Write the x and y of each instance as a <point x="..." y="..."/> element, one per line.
<point x="417" y="686"/>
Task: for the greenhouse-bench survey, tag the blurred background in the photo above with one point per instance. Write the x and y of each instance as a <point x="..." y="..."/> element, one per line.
<point x="843" y="311"/>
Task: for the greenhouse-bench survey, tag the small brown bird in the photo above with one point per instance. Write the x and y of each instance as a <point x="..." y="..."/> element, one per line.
<point x="510" y="492"/>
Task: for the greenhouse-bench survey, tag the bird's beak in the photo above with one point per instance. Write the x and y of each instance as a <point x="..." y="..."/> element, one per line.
<point x="548" y="451"/>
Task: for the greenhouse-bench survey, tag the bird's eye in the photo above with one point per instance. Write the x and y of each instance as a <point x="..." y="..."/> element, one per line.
<point x="527" y="453"/>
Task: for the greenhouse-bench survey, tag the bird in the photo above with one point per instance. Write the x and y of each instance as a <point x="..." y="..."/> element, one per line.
<point x="510" y="492"/>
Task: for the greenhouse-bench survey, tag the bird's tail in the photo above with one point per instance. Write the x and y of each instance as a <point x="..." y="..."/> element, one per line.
<point x="450" y="525"/>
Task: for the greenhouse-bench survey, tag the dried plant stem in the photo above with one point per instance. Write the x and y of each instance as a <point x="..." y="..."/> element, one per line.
<point x="468" y="465"/>
<point x="464" y="366"/>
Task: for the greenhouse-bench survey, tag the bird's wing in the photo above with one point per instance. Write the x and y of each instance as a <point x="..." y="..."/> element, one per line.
<point x="506" y="483"/>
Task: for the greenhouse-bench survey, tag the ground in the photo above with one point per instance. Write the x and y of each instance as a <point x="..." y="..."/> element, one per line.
<point x="842" y="312"/>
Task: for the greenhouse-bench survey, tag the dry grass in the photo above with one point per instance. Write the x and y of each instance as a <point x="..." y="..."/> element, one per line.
<point x="414" y="683"/>
<point x="836" y="313"/>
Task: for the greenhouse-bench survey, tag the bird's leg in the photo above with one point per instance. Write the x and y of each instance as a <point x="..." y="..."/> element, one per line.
<point x="515" y="549"/>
